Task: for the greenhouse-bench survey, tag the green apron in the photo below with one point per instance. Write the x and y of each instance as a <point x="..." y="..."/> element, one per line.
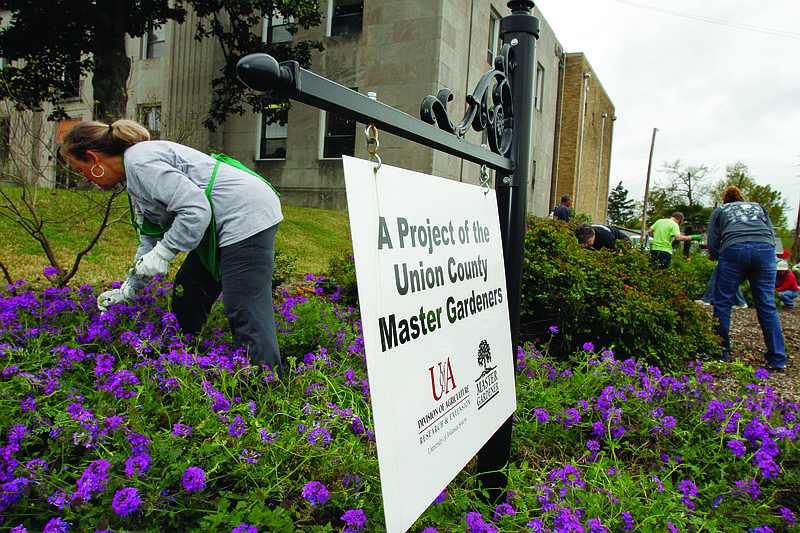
<point x="207" y="249"/>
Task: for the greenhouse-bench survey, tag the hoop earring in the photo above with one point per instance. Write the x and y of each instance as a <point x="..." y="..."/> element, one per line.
<point x="102" y="173"/>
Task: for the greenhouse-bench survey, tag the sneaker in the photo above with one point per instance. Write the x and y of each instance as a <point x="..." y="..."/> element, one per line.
<point x="703" y="303"/>
<point x="740" y="306"/>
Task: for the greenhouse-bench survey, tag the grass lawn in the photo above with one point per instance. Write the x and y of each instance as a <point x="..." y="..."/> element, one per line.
<point x="69" y="221"/>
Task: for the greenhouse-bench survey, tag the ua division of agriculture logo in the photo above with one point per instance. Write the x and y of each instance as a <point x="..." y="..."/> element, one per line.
<point x="487" y="384"/>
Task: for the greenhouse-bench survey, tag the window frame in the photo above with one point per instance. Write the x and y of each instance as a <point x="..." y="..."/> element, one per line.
<point x="272" y="23"/>
<point x="538" y="88"/>
<point x="143" y="112"/>
<point x="493" y="37"/>
<point x="332" y="6"/>
<point x="148" y="44"/>
<point x="323" y="136"/>
<point x="260" y="138"/>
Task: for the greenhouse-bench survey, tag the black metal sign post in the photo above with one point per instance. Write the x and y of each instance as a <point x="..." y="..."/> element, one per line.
<point x="502" y="103"/>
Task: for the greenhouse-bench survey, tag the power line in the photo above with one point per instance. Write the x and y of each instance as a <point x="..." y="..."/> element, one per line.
<point x="749" y="27"/>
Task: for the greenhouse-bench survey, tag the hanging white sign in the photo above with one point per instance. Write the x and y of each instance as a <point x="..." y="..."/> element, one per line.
<point x="432" y="291"/>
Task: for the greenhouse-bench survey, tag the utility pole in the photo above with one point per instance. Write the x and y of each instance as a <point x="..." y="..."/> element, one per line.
<point x="647" y="188"/>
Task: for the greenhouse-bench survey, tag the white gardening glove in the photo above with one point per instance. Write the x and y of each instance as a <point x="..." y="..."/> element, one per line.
<point x="155" y="262"/>
<point x="115" y="296"/>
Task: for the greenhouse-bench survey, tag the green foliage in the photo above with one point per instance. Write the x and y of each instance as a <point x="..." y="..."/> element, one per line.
<point x="342" y="273"/>
<point x="613" y="300"/>
<point x="738" y="175"/>
<point x="285" y="268"/>
<point x="52" y="48"/>
<point x="98" y="404"/>
<point x="695" y="272"/>
<point x="650" y="448"/>
<point x="620" y="207"/>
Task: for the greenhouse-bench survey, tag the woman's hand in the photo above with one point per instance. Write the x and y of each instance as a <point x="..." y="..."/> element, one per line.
<point x="155" y="262"/>
<point x="115" y="296"/>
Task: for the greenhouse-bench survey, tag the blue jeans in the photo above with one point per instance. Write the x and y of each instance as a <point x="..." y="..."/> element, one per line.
<point x="755" y="262"/>
<point x="708" y="296"/>
<point x="661" y="259"/>
<point x="787" y="297"/>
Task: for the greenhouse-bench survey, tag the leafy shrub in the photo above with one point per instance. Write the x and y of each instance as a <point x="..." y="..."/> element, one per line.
<point x="342" y="274"/>
<point x="285" y="268"/>
<point x="615" y="300"/>
<point x="695" y="270"/>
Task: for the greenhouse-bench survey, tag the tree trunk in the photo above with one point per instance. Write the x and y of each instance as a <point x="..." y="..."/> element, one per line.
<point x="111" y="62"/>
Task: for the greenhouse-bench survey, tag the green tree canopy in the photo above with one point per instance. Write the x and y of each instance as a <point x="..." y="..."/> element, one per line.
<point x="620" y="207"/>
<point x="51" y="44"/>
<point x="738" y="174"/>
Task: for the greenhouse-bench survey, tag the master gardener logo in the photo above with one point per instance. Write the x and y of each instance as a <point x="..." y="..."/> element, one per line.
<point x="487" y="383"/>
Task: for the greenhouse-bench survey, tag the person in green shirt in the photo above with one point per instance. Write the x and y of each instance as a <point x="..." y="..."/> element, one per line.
<point x="663" y="232"/>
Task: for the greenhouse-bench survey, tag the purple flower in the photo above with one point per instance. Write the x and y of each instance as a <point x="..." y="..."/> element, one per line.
<point x="541" y="415"/>
<point x="126" y="501"/>
<point x="319" y="436"/>
<point x="94" y="478"/>
<point x="355" y="518"/>
<point x="476" y="524"/>
<point x="249" y="456"/>
<point x="503" y="509"/>
<point x="671" y="527"/>
<point x="440" y="498"/>
<point x="588" y="347"/>
<point x="181" y="430"/>
<point x="787" y="515"/>
<point x="237" y="427"/>
<point x="629" y="523"/>
<point x="194" y="479"/>
<point x="430" y="530"/>
<point x="315" y="493"/>
<point x="19" y="529"/>
<point x="244" y="528"/>
<point x="268" y="436"/>
<point x="50" y="271"/>
<point x="537" y="525"/>
<point x="553" y="329"/>
<point x="56" y="525"/>
<point x="688" y="488"/>
<point x="137" y="464"/>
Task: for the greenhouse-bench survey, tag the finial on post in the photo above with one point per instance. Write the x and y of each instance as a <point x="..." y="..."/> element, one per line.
<point x="261" y="72"/>
<point x="520" y="7"/>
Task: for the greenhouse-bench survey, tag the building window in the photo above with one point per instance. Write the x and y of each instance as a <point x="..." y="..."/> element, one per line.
<point x="339" y="136"/>
<point x="154" y="41"/>
<point x="494" y="45"/>
<point x="275" y="30"/>
<point x="346" y="16"/>
<point x="272" y="139"/>
<point x="149" y="116"/>
<point x="539" y="88"/>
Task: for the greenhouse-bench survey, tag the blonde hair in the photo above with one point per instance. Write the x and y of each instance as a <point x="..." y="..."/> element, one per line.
<point x="108" y="140"/>
<point x="732" y="194"/>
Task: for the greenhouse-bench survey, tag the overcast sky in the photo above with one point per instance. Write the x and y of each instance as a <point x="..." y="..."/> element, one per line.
<point x="720" y="79"/>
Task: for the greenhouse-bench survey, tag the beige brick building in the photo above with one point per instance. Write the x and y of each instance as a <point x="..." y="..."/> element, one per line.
<point x="584" y="140"/>
<point x="401" y="50"/>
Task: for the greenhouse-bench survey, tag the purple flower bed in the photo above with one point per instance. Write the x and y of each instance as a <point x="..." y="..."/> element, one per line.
<point x="118" y="422"/>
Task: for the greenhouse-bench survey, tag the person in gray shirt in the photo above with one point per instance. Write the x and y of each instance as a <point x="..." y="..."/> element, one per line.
<point x="182" y="200"/>
<point x="741" y="238"/>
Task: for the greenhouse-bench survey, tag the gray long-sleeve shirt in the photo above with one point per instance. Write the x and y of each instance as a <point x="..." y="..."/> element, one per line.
<point x="167" y="183"/>
<point x="737" y="222"/>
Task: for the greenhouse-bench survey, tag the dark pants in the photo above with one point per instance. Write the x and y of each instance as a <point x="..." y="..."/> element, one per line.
<point x="661" y="259"/>
<point x="246" y="288"/>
